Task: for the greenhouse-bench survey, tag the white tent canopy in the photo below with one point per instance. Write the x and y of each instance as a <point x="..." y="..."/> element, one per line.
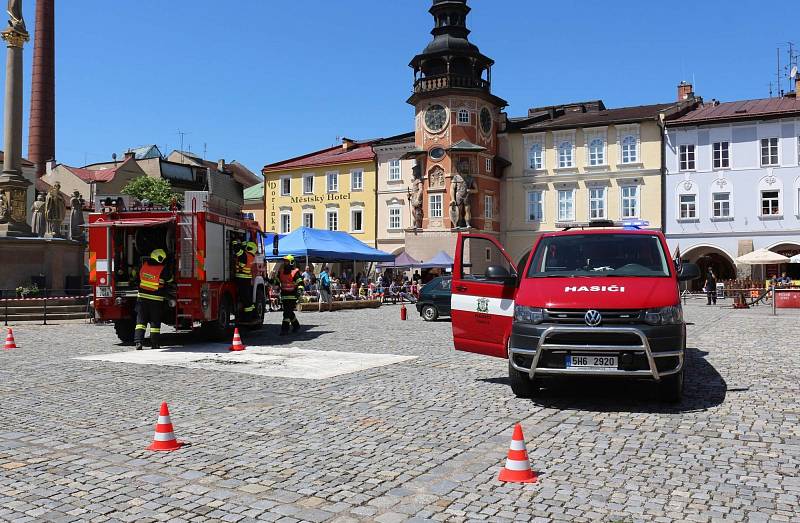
<point x="762" y="257"/>
<point x="795" y="259"/>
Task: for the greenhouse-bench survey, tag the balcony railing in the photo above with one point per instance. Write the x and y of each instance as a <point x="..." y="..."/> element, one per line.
<point x="445" y="81"/>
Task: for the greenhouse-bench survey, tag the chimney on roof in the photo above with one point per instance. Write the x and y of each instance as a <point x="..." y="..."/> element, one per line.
<point x="49" y="166"/>
<point x="347" y="144"/>
<point x="129" y="154"/>
<point x="685" y="91"/>
<point x="221" y="165"/>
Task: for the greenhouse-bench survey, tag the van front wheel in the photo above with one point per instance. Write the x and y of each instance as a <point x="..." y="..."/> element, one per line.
<point x="521" y="384"/>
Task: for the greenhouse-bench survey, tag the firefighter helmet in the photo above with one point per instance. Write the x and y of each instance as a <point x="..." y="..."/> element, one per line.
<point x="251" y="247"/>
<point x="158" y="255"/>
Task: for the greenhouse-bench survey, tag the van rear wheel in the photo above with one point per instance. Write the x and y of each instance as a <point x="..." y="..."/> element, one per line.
<point x="521" y="384"/>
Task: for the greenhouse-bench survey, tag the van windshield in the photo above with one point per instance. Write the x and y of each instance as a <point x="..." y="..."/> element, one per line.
<point x="598" y="255"/>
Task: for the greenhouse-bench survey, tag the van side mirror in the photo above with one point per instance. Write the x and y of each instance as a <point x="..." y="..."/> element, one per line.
<point x="500" y="274"/>
<point x="689" y="272"/>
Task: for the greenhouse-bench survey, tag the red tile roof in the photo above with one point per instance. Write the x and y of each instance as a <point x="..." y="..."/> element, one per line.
<point x="360" y="152"/>
<point x="764" y="108"/>
<point x="96" y="175"/>
<point x="25" y="162"/>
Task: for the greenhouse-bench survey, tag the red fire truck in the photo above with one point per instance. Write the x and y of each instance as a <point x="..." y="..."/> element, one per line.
<point x="197" y="239"/>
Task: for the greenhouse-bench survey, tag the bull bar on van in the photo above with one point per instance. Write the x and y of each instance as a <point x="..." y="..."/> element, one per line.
<point x="644" y="347"/>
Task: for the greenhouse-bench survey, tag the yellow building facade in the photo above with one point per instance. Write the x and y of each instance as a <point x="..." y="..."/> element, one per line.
<point x="332" y="189"/>
<point x="578" y="163"/>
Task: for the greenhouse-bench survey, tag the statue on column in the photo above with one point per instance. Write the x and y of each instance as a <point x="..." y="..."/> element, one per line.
<point x="38" y="222"/>
<point x="54" y="211"/>
<point x="415" y="200"/>
<point x="76" y="216"/>
<point x="5" y="208"/>
<point x="15" y="20"/>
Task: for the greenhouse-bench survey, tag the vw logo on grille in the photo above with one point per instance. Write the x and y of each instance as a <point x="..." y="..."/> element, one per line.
<point x="592" y="318"/>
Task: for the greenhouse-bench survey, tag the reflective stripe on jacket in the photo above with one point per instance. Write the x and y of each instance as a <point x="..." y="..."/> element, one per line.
<point x="244" y="263"/>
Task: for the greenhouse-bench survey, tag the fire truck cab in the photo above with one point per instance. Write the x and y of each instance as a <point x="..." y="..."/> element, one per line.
<point x="197" y="238"/>
<point x="596" y="299"/>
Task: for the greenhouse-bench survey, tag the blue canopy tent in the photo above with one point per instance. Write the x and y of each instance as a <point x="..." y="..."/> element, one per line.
<point x="441" y="260"/>
<point x="325" y="246"/>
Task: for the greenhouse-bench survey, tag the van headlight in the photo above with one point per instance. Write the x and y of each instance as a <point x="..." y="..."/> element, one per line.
<point x="672" y="315"/>
<point x="532" y="315"/>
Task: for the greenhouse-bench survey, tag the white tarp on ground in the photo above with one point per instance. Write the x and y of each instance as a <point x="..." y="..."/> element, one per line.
<point x="279" y="362"/>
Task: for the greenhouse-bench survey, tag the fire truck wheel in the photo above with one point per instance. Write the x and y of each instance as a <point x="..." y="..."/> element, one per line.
<point x="219" y="330"/>
<point x="521" y="384"/>
<point x="261" y="308"/>
<point x="125" y="330"/>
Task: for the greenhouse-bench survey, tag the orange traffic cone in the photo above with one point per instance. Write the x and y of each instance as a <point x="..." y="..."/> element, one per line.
<point x="518" y="467"/>
<point x="164" y="438"/>
<point x="237" y="342"/>
<point x="10" y="343"/>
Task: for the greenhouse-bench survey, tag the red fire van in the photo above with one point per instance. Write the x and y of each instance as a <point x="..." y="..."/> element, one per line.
<point x="595" y="299"/>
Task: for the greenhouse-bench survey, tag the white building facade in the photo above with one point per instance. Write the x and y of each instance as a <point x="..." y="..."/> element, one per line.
<point x="395" y="174"/>
<point x="733" y="184"/>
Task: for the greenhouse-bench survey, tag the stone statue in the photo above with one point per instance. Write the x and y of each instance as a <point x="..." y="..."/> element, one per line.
<point x="415" y="201"/>
<point x="460" y="206"/>
<point x="76" y="216"/>
<point x="5" y="208"/>
<point x="54" y="211"/>
<point x="38" y="222"/>
<point x="15" y="20"/>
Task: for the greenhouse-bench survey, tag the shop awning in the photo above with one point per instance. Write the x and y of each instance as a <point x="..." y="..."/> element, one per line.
<point x="132" y="222"/>
<point x="331" y="246"/>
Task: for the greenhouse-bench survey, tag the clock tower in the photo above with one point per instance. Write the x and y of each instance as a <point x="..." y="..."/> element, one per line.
<point x="456" y="185"/>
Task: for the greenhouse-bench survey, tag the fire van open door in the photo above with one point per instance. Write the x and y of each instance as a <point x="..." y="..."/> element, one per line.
<point x="483" y="288"/>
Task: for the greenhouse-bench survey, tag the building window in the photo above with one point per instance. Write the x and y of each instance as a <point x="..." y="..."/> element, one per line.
<point x="308" y="219"/>
<point x="436" y="205"/>
<point x="357" y="180"/>
<point x="630" y="201"/>
<point x="722" y="204"/>
<point x="597" y="203"/>
<point x="565" y="154"/>
<point x="286" y="223"/>
<point x="249" y="216"/>
<point x="333" y="182"/>
<point x="488" y="206"/>
<point x="535" y="206"/>
<point x="798" y="150"/>
<point x="535" y="156"/>
<point x="686" y="155"/>
<point x="488" y="165"/>
<point x="395" y="171"/>
<point x="463" y="117"/>
<point x="286" y="186"/>
<point x="629" y="150"/>
<point x="395" y="220"/>
<point x="597" y="152"/>
<point x="770" y="203"/>
<point x="769" y="151"/>
<point x="357" y="220"/>
<point x="333" y="220"/>
<point x="308" y="184"/>
<point x="721" y="155"/>
<point x="688" y="206"/>
<point x="566" y="205"/>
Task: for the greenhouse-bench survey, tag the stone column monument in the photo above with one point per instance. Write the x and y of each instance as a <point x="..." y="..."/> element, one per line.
<point x="13" y="185"/>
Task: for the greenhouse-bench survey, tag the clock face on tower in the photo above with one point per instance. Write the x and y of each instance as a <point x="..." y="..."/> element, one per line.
<point x="436" y="117"/>
<point x="486" y="120"/>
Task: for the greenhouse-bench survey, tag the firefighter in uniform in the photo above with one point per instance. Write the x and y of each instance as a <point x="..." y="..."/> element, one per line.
<point x="291" y="282"/>
<point x="245" y="253"/>
<point x="153" y="277"/>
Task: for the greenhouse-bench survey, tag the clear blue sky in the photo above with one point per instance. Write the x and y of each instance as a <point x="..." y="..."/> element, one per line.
<point x="263" y="80"/>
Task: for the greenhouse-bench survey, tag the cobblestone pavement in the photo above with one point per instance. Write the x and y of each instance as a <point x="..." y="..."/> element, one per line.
<point x="422" y="439"/>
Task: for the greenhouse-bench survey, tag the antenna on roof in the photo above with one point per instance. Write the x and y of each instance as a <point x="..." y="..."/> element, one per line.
<point x="181" y="134"/>
<point x="205" y="150"/>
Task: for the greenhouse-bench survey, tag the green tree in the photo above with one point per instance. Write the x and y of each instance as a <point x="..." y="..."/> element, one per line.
<point x="156" y="190"/>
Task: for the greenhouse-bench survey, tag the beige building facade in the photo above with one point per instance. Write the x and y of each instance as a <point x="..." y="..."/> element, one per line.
<point x="395" y="176"/>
